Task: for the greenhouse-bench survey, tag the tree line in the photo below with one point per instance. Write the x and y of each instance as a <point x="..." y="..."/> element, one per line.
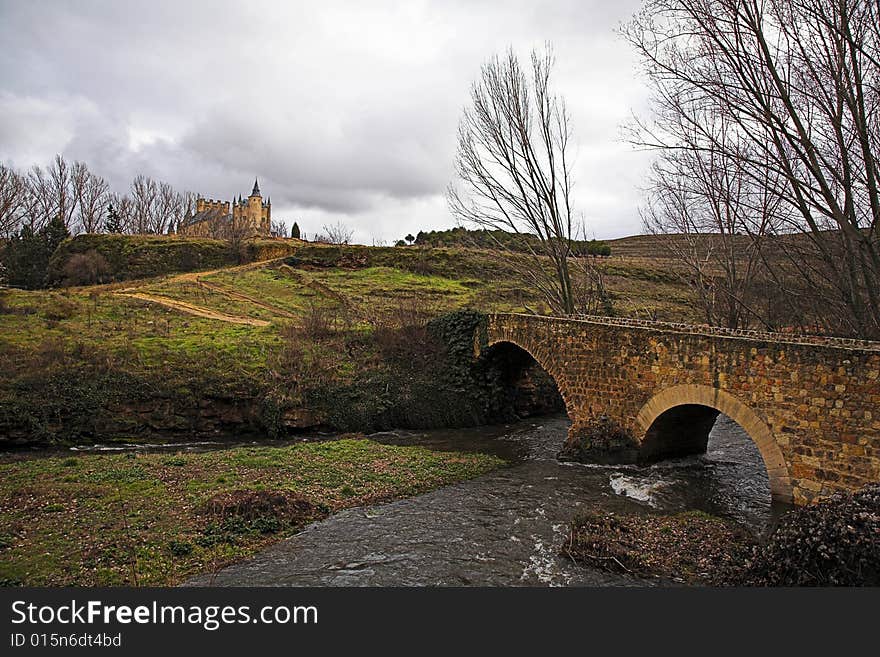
<point x="491" y="239"/>
<point x="42" y="206"/>
<point x="85" y="203"/>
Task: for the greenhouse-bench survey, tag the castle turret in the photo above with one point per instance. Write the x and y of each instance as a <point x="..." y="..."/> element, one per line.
<point x="255" y="207"/>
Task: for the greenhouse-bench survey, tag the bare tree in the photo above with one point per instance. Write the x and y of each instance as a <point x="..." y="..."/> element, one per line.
<point x="13" y="200"/>
<point x="123" y="208"/>
<point x="716" y="220"/>
<point x="53" y="192"/>
<point x="513" y="164"/>
<point x="41" y="205"/>
<point x="187" y="205"/>
<point x="236" y="232"/>
<point x="94" y="194"/>
<point x="337" y="233"/>
<point x="63" y="185"/>
<point x="278" y="229"/>
<point x="144" y="200"/>
<point x="799" y="83"/>
<point x="169" y="210"/>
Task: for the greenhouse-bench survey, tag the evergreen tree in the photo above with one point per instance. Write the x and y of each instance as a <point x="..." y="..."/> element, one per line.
<point x="294" y="231"/>
<point x="113" y="223"/>
<point x="54" y="233"/>
<point x="25" y="258"/>
<point x="26" y="255"/>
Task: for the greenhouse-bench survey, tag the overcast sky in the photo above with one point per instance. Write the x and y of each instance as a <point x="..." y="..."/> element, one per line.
<point x="347" y="111"/>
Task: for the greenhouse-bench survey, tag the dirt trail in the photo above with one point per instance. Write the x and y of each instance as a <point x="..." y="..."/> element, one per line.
<point x="317" y="286"/>
<point x="241" y="296"/>
<point x="191" y="309"/>
<point x="201" y="311"/>
<point x="194" y="276"/>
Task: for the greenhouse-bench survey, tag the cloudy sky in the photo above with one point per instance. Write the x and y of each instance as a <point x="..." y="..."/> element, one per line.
<point x="347" y="111"/>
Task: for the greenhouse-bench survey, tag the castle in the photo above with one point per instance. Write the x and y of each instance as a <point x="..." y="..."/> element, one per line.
<point x="249" y="217"/>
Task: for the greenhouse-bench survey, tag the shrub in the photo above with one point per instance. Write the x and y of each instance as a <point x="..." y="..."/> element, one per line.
<point x="403" y="333"/>
<point x="180" y="548"/>
<point x="262" y="506"/>
<point x="833" y="543"/>
<point x="86" y="268"/>
<point x="319" y="322"/>
<point x="60" y="308"/>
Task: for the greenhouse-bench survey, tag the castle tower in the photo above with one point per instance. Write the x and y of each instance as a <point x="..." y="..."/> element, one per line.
<point x="255" y="207"/>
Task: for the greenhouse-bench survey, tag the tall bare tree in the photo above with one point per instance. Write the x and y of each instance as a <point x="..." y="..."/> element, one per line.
<point x="64" y="179"/>
<point x="144" y="202"/>
<point x="94" y="194"/>
<point x="168" y="209"/>
<point x="716" y="220"/>
<point x="513" y="165"/>
<point x="41" y="204"/>
<point x="799" y="82"/>
<point x="13" y="200"/>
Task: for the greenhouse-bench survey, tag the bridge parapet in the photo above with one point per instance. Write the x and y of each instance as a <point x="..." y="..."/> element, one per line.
<point x="637" y="389"/>
<point x="718" y="331"/>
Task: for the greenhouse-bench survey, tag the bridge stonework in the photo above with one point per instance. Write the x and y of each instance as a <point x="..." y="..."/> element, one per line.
<point x="811" y="405"/>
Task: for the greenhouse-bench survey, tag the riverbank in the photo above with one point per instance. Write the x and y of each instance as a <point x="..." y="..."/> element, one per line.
<point x="692" y="547"/>
<point x="155" y="519"/>
<point x="835" y="542"/>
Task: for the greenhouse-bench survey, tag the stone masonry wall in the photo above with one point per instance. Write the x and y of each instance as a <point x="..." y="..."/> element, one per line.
<point x="812" y="407"/>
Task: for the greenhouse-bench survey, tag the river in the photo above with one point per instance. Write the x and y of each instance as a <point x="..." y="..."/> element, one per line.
<point x="505" y="528"/>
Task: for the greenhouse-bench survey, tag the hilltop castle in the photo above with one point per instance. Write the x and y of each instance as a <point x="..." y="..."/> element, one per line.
<point x="249" y="217"/>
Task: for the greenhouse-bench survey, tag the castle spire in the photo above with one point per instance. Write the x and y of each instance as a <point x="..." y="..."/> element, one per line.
<point x="256" y="191"/>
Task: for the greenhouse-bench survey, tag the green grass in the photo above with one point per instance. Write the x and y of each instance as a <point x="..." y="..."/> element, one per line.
<point x="197" y="295"/>
<point x="126" y="519"/>
<point x="54" y="343"/>
<point x="131" y="257"/>
<point x="271" y="285"/>
<point x="454" y="279"/>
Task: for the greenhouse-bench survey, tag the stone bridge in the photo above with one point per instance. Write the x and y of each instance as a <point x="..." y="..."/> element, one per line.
<point x="641" y="391"/>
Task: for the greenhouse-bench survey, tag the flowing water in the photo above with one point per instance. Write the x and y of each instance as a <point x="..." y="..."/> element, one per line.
<point x="505" y="528"/>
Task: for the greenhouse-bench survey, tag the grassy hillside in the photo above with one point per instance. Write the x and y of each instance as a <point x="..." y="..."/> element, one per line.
<point x="334" y="337"/>
<point x="129" y="257"/>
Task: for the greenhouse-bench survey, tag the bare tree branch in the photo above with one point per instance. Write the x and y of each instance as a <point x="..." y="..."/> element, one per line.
<point x="514" y="170"/>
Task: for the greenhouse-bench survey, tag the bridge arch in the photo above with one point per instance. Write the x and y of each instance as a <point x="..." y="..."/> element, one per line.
<point x="689" y="398"/>
<point x="543" y="360"/>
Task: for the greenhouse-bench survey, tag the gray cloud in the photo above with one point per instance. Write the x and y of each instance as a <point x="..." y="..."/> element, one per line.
<point x="346" y="111"/>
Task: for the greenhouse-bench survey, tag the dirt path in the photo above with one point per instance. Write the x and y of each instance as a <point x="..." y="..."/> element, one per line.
<point x="201" y="311"/>
<point x="241" y="296"/>
<point x="191" y="309"/>
<point x="317" y="286"/>
<point x="194" y="276"/>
